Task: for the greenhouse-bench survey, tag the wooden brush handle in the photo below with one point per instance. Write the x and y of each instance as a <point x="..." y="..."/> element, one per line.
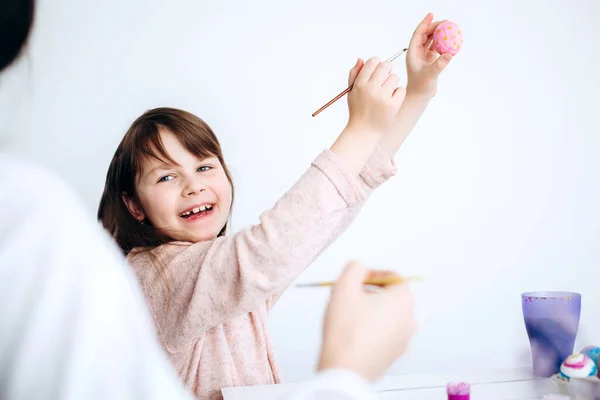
<point x="376" y="280"/>
<point x="385" y="280"/>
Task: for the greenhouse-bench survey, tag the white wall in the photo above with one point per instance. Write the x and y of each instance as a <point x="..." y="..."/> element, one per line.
<point x="497" y="188"/>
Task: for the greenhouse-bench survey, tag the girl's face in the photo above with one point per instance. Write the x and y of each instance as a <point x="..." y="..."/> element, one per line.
<point x="188" y="201"/>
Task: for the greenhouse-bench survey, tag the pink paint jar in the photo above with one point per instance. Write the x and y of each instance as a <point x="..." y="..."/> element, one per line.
<point x="458" y="391"/>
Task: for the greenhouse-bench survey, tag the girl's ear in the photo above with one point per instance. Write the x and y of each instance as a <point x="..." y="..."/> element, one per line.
<point x="133" y="206"/>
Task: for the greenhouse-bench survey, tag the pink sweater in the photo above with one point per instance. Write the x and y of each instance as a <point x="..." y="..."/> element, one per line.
<point x="212" y="317"/>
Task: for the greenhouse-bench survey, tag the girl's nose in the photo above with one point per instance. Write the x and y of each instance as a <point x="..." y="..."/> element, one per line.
<point x="193" y="186"/>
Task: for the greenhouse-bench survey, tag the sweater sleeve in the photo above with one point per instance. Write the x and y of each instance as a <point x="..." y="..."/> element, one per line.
<point x="194" y="287"/>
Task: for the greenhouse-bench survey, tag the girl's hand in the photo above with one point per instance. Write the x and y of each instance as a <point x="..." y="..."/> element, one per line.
<point x="366" y="331"/>
<point x="423" y="63"/>
<point x="375" y="99"/>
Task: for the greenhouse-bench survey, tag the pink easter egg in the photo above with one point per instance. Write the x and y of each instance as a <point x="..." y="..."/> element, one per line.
<point x="447" y="38"/>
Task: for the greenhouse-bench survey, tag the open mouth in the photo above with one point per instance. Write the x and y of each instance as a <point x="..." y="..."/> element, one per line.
<point x="197" y="211"/>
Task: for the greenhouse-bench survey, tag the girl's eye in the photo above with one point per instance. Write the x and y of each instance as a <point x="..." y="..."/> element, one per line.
<point x="166" y="178"/>
<point x="204" y="168"/>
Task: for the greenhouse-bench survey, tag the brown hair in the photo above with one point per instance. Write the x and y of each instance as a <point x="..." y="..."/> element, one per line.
<point x="143" y="140"/>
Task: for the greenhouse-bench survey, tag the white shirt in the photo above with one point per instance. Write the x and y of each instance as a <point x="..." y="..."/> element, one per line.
<point x="73" y="322"/>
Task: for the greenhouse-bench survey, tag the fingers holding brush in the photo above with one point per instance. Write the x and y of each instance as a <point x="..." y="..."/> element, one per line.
<point x="359" y="76"/>
<point x="382" y="323"/>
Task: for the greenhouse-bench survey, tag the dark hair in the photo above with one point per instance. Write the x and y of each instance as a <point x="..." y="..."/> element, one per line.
<point x="143" y="140"/>
<point x="16" y="19"/>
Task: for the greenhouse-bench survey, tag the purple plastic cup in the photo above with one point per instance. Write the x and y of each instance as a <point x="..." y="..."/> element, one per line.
<point x="551" y="320"/>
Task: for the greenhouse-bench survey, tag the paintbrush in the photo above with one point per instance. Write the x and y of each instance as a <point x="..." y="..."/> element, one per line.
<point x="339" y="96"/>
<point x="382" y="280"/>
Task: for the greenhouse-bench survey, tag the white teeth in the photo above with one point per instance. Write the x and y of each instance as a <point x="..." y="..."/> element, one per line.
<point x="197" y="210"/>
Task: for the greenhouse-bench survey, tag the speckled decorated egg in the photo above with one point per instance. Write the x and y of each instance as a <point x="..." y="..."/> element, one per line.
<point x="447" y="38"/>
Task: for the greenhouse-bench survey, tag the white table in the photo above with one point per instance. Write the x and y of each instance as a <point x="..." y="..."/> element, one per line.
<point x="506" y="384"/>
